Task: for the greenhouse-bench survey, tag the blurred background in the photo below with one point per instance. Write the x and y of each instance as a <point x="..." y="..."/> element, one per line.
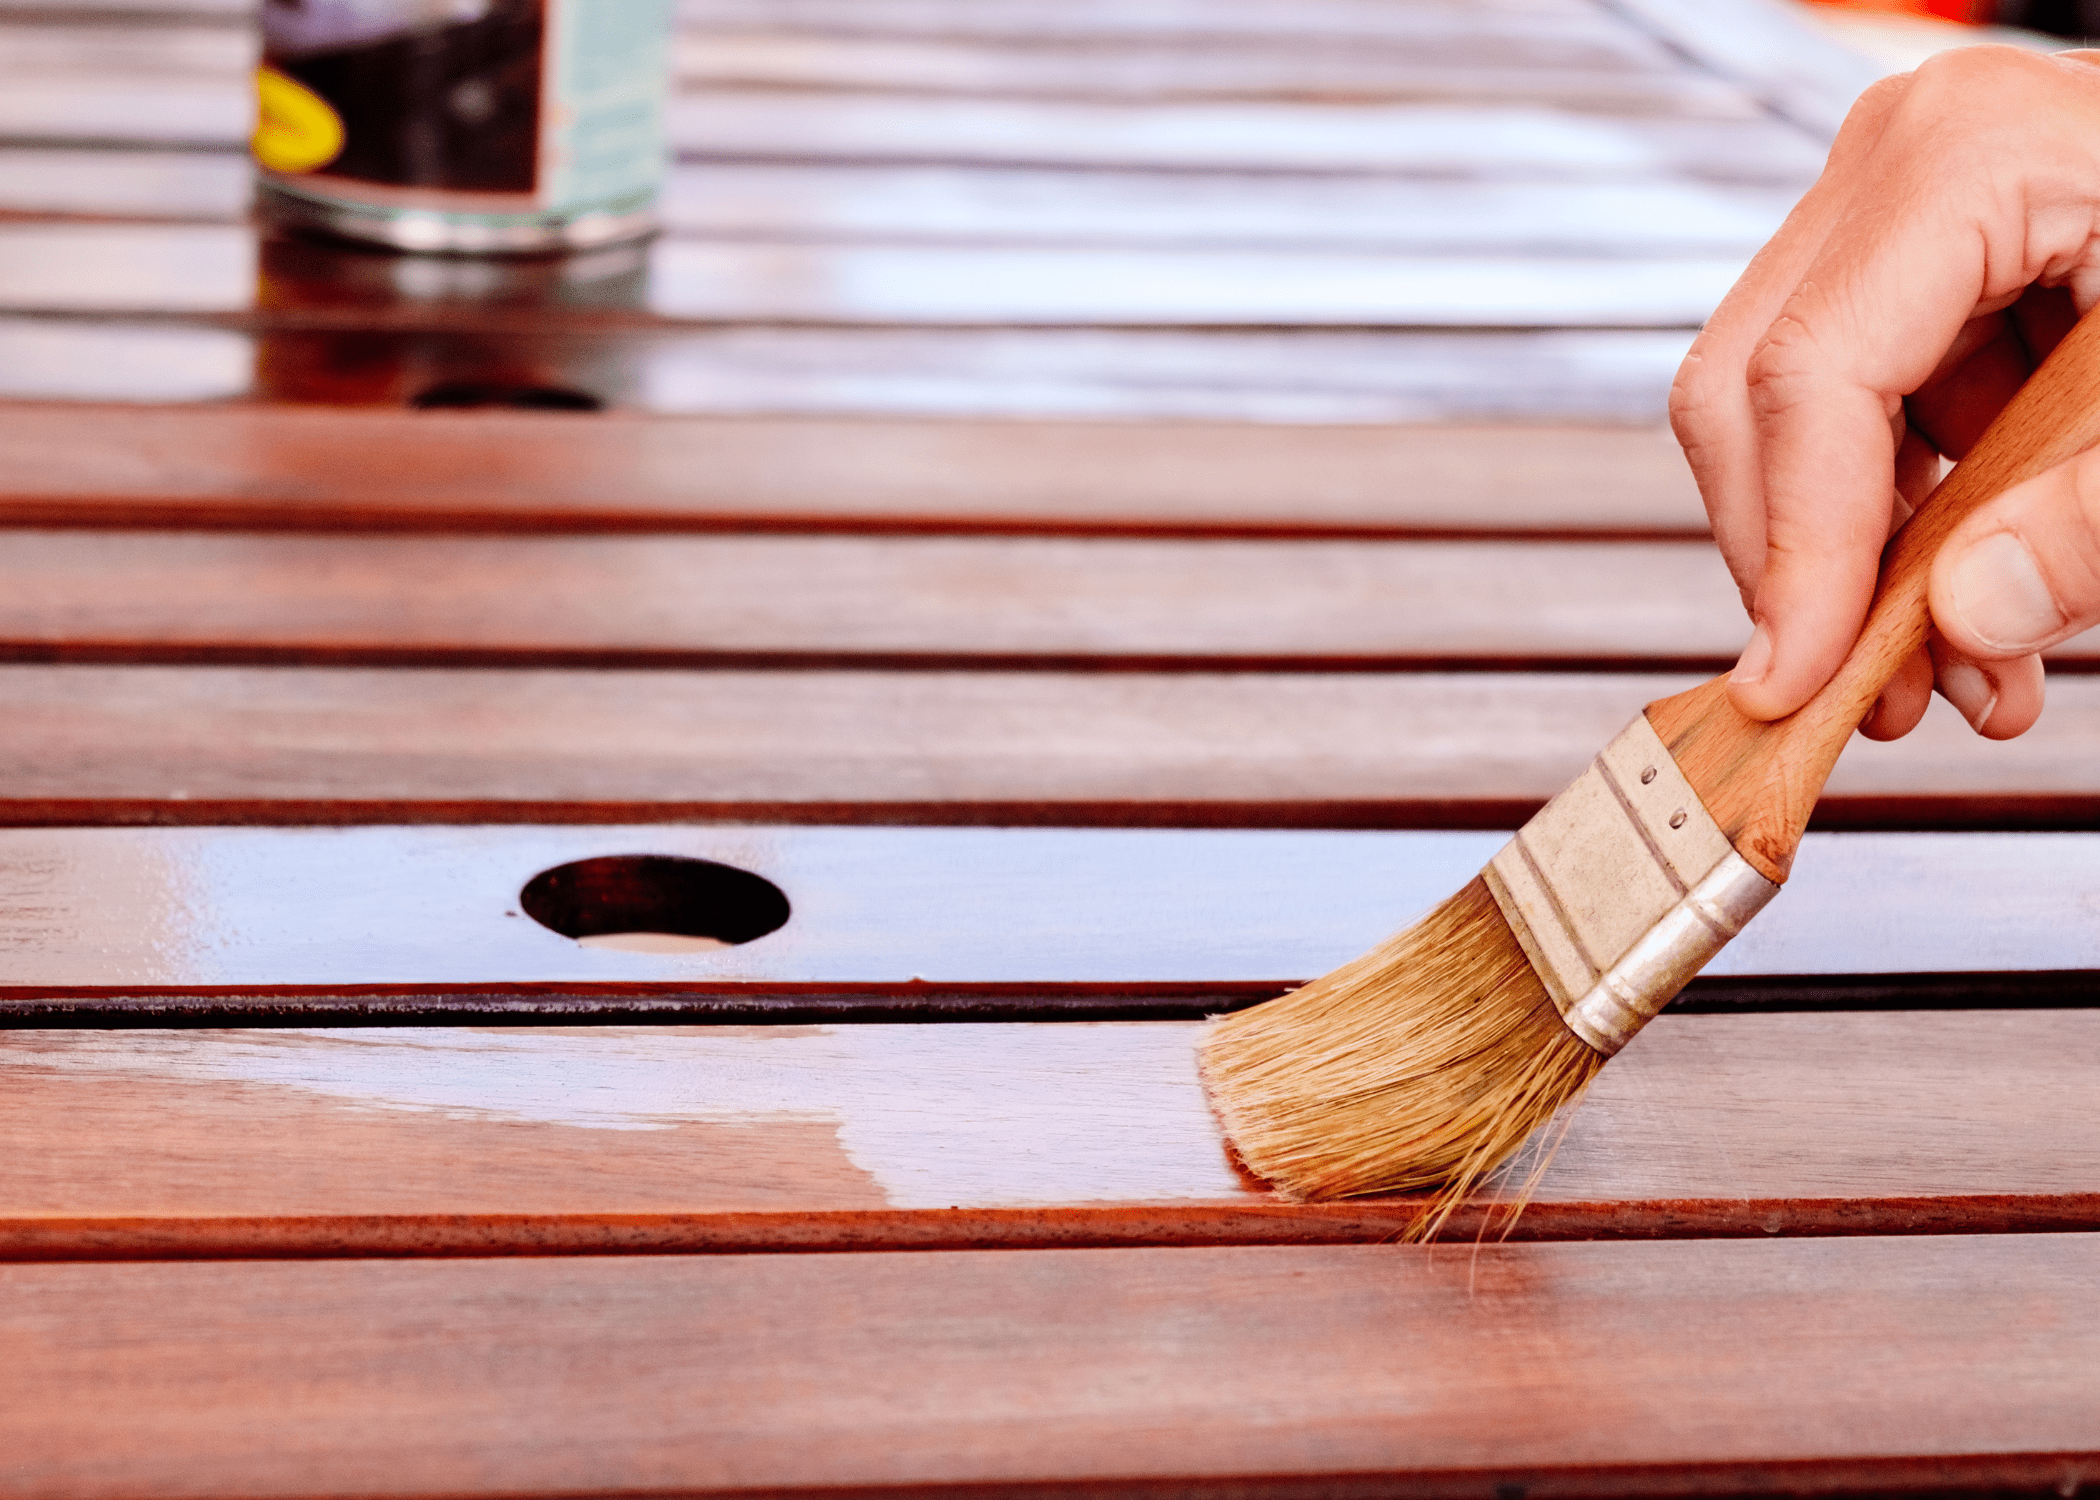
<point x="1321" y="210"/>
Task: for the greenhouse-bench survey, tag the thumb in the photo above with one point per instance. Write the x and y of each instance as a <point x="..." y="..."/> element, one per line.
<point x="2023" y="572"/>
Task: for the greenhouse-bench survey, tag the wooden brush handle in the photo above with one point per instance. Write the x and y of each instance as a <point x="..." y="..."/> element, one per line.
<point x="1760" y="781"/>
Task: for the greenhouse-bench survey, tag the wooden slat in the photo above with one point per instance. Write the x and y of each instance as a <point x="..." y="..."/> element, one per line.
<point x="391" y="1140"/>
<point x="980" y="205"/>
<point x="1425" y="70"/>
<point x="208" y="744"/>
<point x="162" y="595"/>
<point x="134" y="268"/>
<point x="1285" y="376"/>
<point x="248" y="917"/>
<point x="1734" y="1367"/>
<point x="1549" y="26"/>
<point x="871" y="601"/>
<point x="1276" y="137"/>
<point x="1594" y="67"/>
<point x="1507" y="140"/>
<point x="64" y="464"/>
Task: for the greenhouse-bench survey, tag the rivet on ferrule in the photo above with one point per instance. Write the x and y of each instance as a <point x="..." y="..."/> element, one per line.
<point x="1622" y="888"/>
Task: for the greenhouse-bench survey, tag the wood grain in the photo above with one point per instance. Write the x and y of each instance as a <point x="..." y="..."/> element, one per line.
<point x="65" y="464"/>
<point x="407" y="1141"/>
<point x="177" y="596"/>
<point x="216" y="744"/>
<point x="289" y="921"/>
<point x="728" y="600"/>
<point x="1859" y="1363"/>
<point x="1292" y="376"/>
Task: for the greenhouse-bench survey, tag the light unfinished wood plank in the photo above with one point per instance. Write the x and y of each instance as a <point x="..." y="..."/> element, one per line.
<point x="62" y="463"/>
<point x="169" y="1144"/>
<point x="400" y="918"/>
<point x="201" y="744"/>
<point x="1866" y="1364"/>
<point x="1295" y="376"/>
<point x="85" y="268"/>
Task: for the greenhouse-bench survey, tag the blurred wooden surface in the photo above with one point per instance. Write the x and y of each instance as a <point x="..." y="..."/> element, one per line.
<point x="1099" y="412"/>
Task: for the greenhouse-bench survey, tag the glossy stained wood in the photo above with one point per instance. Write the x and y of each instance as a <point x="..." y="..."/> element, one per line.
<point x="917" y="601"/>
<point x="1733" y="1364"/>
<point x="610" y="1140"/>
<point x="1292" y="376"/>
<point x="392" y="919"/>
<point x="219" y="744"/>
<point x="128" y="465"/>
<point x="858" y="601"/>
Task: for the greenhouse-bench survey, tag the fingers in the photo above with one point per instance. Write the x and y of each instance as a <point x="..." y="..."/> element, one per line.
<point x="2023" y="572"/>
<point x="1903" y="702"/>
<point x="1999" y="699"/>
<point x="1908" y="272"/>
<point x="1710" y="400"/>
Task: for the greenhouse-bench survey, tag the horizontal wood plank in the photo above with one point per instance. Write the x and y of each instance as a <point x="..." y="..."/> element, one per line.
<point x="413" y="1141"/>
<point x="1005" y="205"/>
<point x="80" y="268"/>
<point x="397" y="919"/>
<point x="214" y="744"/>
<point x="1498" y="139"/>
<point x="1514" y="67"/>
<point x="1837" y="1364"/>
<point x="1279" y="376"/>
<point x="870" y="601"/>
<point x="292" y="467"/>
<point x="725" y="600"/>
<point x="894" y="601"/>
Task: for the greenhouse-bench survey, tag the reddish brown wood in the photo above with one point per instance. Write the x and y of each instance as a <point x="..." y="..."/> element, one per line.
<point x="609" y="1140"/>
<point x="270" y="744"/>
<point x="1730" y="1367"/>
<point x="860" y="601"/>
<point x="86" y="465"/>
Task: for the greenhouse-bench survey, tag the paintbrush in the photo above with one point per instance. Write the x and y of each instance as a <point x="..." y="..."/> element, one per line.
<point x="1427" y="1063"/>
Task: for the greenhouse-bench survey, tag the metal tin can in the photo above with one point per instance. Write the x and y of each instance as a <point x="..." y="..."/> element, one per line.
<point x="463" y="125"/>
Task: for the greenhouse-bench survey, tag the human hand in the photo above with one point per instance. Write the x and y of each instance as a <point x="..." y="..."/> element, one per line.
<point x="1949" y="244"/>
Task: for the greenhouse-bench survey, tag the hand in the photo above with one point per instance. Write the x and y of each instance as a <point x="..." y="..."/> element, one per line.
<point x="1951" y="241"/>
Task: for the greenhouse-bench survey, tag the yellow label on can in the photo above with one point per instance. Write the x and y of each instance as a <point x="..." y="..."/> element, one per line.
<point x="296" y="130"/>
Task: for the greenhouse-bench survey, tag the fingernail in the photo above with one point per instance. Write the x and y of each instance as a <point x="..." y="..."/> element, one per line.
<point x="1970" y="689"/>
<point x="1756" y="660"/>
<point x="1997" y="593"/>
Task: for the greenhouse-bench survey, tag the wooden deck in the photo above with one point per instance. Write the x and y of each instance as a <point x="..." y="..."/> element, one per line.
<point x="1109" y="506"/>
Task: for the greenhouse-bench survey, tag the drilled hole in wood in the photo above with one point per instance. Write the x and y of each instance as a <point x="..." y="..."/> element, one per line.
<point x="654" y="903"/>
<point x="457" y="394"/>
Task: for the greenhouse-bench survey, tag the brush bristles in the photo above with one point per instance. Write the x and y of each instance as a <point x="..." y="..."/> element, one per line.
<point x="1423" y="1065"/>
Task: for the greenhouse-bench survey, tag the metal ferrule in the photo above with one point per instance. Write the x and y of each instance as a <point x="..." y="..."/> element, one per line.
<point x="1622" y="888"/>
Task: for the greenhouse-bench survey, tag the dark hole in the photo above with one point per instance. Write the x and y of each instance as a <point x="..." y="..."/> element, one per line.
<point x="655" y="896"/>
<point x="471" y="393"/>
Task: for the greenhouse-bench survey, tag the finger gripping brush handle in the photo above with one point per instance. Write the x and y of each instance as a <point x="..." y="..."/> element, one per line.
<point x="1761" y="780"/>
